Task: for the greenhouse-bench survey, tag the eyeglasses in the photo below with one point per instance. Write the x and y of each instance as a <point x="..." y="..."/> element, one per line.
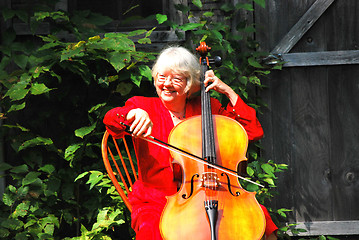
<point x="177" y="79"/>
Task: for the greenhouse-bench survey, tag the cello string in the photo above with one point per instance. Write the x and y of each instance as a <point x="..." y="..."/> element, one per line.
<point x="208" y="138"/>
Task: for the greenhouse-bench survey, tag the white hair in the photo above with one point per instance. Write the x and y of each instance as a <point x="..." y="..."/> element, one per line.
<point x="179" y="60"/>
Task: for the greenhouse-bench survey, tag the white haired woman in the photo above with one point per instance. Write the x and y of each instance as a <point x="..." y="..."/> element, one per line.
<point x="176" y="75"/>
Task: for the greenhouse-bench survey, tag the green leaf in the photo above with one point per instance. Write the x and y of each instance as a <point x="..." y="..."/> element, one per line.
<point x="267" y="168"/>
<point x="332" y="238"/>
<point x="95" y="108"/>
<point x="282" y="212"/>
<point x="270" y="181"/>
<point x="208" y="14"/>
<point x="21" y="14"/>
<point x="29" y="223"/>
<point x="254" y="63"/>
<point x="118" y="42"/>
<point x="48" y="168"/>
<point x="31" y="177"/>
<point x="70" y="151"/>
<point x="252" y="187"/>
<point x="245" y="6"/>
<point x="250" y="171"/>
<point x="161" y="18"/>
<point x="144" y="41"/>
<point x="52" y="186"/>
<point x="81" y="176"/>
<point x="4" y="233"/>
<point x="8" y="199"/>
<point x="94" y="178"/>
<point x="69" y="54"/>
<point x="39" y="88"/>
<point x="20" y="169"/>
<point x="136" y="79"/>
<point x="48" y="46"/>
<point x="38" y="141"/>
<point x="145" y="71"/>
<point x="83" y="229"/>
<point x="254" y="80"/>
<point x="183" y="8"/>
<point x="124" y="88"/>
<point x="21" y="209"/>
<point x="261" y="3"/>
<point x="218" y="35"/>
<point x="4" y="166"/>
<point x="197" y="3"/>
<point x="12" y="224"/>
<point x="137" y="32"/>
<point x="21" y="60"/>
<point x="191" y="26"/>
<point x="17" y="91"/>
<point x="51" y="219"/>
<point x="118" y="60"/>
<point x="7" y="13"/>
<point x="81" y="132"/>
<point x="21" y="236"/>
<point x="17" y="107"/>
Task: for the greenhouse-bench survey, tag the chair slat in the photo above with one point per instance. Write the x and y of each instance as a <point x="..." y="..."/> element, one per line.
<point x="131" y="161"/>
<point x="112" y="158"/>
<point x="118" y="169"/>
<point x="124" y="167"/>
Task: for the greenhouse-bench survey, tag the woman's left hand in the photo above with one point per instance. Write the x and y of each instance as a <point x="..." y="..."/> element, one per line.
<point x="213" y="82"/>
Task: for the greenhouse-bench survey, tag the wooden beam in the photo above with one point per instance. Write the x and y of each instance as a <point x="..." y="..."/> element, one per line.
<point x="320" y="58"/>
<point x="302" y="26"/>
<point x="329" y="228"/>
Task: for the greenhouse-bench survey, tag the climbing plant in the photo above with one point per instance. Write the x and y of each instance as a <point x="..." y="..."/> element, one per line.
<point x="55" y="90"/>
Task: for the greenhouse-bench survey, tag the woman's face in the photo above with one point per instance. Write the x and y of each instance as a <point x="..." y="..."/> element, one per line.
<point x="170" y="87"/>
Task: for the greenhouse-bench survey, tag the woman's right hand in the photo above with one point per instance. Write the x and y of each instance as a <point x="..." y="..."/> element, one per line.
<point x="141" y="125"/>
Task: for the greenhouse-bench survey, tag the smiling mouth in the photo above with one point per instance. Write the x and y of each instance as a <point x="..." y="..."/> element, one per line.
<point x="168" y="92"/>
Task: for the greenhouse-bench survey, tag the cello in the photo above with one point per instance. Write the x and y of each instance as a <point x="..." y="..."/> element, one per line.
<point x="211" y="204"/>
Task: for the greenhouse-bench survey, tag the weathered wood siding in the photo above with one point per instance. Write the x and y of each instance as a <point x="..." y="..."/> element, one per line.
<point x="313" y="112"/>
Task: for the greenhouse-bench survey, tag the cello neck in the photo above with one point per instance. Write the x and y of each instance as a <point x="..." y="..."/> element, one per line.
<point x="208" y="143"/>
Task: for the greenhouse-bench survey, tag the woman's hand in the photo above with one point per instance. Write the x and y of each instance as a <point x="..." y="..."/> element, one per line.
<point x="213" y="82"/>
<point x="141" y="125"/>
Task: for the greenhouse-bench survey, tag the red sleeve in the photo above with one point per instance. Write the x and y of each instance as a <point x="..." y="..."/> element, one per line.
<point x="115" y="116"/>
<point x="270" y="226"/>
<point x="245" y="115"/>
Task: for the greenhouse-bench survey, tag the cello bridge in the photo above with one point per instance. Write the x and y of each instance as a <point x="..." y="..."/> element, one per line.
<point x="210" y="180"/>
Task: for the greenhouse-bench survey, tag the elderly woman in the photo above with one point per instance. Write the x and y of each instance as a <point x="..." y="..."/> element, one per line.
<point x="176" y="78"/>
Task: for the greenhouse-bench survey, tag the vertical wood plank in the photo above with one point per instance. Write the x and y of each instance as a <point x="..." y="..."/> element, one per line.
<point x="276" y="121"/>
<point x="344" y="111"/>
<point x="311" y="143"/>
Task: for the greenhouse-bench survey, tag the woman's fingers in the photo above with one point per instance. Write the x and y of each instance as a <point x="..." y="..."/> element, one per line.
<point x="143" y="127"/>
<point x="213" y="82"/>
<point x="142" y="124"/>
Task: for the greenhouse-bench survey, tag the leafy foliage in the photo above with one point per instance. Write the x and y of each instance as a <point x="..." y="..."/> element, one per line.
<point x="54" y="94"/>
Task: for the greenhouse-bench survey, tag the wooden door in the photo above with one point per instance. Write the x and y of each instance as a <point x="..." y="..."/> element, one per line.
<point x="312" y="120"/>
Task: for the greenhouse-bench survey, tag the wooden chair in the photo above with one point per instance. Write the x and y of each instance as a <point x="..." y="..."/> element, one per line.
<point x="120" y="163"/>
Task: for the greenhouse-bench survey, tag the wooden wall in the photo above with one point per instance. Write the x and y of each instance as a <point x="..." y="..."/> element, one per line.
<point x="312" y="119"/>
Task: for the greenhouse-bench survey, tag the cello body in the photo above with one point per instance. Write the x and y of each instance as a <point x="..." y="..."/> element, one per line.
<point x="238" y="214"/>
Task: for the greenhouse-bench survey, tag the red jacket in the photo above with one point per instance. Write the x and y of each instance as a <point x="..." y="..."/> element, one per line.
<point x="156" y="176"/>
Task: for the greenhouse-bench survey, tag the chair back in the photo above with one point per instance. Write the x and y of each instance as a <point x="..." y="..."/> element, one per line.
<point x="119" y="157"/>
